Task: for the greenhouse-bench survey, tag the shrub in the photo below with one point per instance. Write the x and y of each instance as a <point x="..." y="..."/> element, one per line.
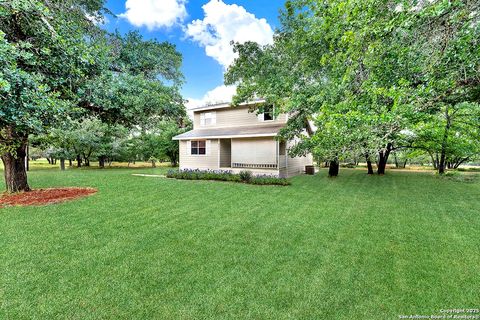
<point x="245" y="176"/>
<point x="221" y="175"/>
<point x="269" y="180"/>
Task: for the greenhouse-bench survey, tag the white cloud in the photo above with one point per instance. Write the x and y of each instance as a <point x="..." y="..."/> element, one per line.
<point x="222" y="24"/>
<point x="218" y="95"/>
<point x="155" y="14"/>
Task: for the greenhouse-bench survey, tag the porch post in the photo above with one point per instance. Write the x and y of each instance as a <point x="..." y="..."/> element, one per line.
<point x="278" y="154"/>
<point x="219" y="153"/>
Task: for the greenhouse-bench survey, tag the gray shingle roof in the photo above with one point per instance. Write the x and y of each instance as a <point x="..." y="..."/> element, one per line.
<point x="231" y="132"/>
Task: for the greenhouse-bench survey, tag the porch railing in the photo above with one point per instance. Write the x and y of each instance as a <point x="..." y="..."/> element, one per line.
<point x="255" y="165"/>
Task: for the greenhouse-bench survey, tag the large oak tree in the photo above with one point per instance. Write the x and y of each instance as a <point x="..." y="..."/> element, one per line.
<point x="56" y="63"/>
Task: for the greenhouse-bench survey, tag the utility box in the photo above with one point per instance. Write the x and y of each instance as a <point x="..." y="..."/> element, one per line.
<point x="310" y="170"/>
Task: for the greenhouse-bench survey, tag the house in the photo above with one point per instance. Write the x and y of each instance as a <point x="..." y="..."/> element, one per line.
<point x="236" y="139"/>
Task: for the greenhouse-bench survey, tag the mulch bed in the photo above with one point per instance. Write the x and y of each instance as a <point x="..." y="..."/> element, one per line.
<point x="41" y="197"/>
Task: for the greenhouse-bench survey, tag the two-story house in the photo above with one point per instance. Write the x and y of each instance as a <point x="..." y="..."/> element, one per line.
<point x="235" y="139"/>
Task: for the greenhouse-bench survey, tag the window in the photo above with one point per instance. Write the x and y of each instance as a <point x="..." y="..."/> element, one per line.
<point x="267" y="114"/>
<point x="199" y="147"/>
<point x="208" y="118"/>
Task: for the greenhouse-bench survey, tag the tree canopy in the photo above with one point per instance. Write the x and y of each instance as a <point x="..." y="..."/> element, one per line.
<point x="372" y="74"/>
<point x="57" y="64"/>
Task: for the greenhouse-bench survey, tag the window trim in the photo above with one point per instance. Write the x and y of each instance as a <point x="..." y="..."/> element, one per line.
<point x="272" y="112"/>
<point x="212" y="118"/>
<point x="198" y="147"/>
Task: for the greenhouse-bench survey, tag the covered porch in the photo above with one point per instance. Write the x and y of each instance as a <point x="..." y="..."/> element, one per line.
<point x="260" y="155"/>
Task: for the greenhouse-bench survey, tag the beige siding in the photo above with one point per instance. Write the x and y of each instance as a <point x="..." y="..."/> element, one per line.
<point x="236" y="116"/>
<point x="283" y="173"/>
<point x="225" y="153"/>
<point x="254" y="151"/>
<point x="296" y="166"/>
<point x="208" y="161"/>
<point x="248" y="150"/>
<point x="256" y="172"/>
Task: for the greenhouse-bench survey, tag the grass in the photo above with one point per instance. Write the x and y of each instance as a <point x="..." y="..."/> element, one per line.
<point x="354" y="247"/>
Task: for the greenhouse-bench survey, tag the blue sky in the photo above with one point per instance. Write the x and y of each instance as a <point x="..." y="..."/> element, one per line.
<point x="201" y="30"/>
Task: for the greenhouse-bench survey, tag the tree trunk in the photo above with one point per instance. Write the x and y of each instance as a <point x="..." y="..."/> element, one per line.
<point x="62" y="164"/>
<point x="14" y="169"/>
<point x="434" y="161"/>
<point x="101" y="162"/>
<point x="443" y="153"/>
<point x="382" y="162"/>
<point x="70" y="162"/>
<point x="154" y="165"/>
<point x="27" y="158"/>
<point x="333" y="168"/>
<point x="79" y="161"/>
<point x="441" y="163"/>
<point x="173" y="159"/>
<point x="369" y="164"/>
<point x="383" y="158"/>
<point x="458" y="163"/>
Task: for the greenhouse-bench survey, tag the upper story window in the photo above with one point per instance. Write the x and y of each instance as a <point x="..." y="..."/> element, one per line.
<point x="208" y="118"/>
<point x="267" y="115"/>
<point x="199" y="147"/>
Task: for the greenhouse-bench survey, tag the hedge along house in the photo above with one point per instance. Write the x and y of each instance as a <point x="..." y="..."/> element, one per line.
<point x="236" y="139"/>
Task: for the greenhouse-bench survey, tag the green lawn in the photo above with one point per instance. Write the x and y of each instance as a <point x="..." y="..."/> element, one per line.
<point x="355" y="247"/>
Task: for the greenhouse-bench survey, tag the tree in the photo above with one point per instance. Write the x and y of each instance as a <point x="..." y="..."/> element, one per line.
<point x="168" y="147"/>
<point x="44" y="51"/>
<point x="56" y="63"/>
<point x="450" y="138"/>
<point x="394" y="63"/>
<point x="130" y="149"/>
<point x="86" y="139"/>
<point x="55" y="144"/>
<point x="157" y="144"/>
<point x="448" y="85"/>
<point x="320" y="68"/>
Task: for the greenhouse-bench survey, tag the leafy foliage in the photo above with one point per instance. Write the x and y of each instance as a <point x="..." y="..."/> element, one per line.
<point x="58" y="66"/>
<point x="245" y="176"/>
<point x="371" y="74"/>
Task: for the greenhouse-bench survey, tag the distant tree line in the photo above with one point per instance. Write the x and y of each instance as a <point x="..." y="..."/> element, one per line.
<point x="92" y="140"/>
